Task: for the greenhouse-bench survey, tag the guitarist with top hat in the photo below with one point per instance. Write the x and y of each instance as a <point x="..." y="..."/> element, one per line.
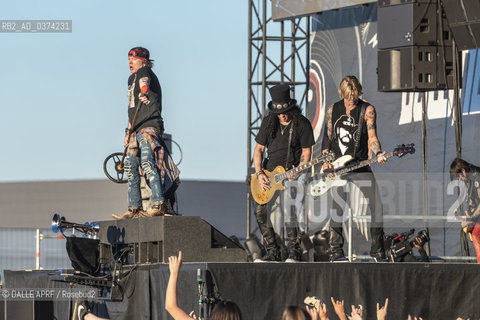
<point x="350" y="129"/>
<point x="287" y="136"/>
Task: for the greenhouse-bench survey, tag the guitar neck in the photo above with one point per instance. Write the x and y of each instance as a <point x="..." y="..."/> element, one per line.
<point x="361" y="164"/>
<point x="297" y="170"/>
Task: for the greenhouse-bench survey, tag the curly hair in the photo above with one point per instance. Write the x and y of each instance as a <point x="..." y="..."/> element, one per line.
<point x="458" y="165"/>
<point x="272" y="122"/>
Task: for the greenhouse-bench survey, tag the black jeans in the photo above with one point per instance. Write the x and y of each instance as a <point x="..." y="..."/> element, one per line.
<point x="364" y="180"/>
<point x="289" y="215"/>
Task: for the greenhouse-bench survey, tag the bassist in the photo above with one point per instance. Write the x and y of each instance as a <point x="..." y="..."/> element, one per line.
<point x="351" y="130"/>
<point x="288" y="137"/>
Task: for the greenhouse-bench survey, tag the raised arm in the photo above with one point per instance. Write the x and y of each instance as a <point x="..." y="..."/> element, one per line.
<point x="171" y="304"/>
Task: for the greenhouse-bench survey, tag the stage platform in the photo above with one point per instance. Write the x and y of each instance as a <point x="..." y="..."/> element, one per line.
<point x="263" y="290"/>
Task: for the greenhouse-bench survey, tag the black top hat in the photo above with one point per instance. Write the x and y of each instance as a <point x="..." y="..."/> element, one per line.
<point x="281" y="101"/>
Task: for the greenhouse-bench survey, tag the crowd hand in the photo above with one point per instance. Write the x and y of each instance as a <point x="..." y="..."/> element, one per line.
<point x="382" y="312"/>
<point x="355" y="316"/>
<point x="318" y="312"/>
<point x="264" y="182"/>
<point x="357" y="312"/>
<point x="339" y="308"/>
<point x="381" y="158"/>
<point x="194" y="316"/>
<point x="313" y="312"/>
<point x="174" y="263"/>
<point x="414" y="318"/>
<point x="143" y="98"/>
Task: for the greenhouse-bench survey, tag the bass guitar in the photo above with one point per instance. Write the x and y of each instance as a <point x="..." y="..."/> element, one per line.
<point x="341" y="167"/>
<point x="277" y="176"/>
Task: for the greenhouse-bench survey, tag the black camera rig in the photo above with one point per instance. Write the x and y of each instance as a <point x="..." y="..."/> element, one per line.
<point x="399" y="245"/>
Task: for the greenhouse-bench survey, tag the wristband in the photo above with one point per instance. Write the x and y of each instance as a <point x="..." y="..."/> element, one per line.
<point x="378" y="153"/>
<point x="259" y="173"/>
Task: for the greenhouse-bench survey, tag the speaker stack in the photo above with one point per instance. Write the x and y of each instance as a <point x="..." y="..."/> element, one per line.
<point x="415" y="46"/>
<point x="464" y="20"/>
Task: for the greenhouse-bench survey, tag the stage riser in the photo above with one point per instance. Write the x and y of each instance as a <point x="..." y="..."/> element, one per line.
<point x="155" y="239"/>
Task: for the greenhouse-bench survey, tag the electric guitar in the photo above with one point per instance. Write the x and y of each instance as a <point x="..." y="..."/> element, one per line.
<point x="468" y="230"/>
<point x="277" y="176"/>
<point x="341" y="166"/>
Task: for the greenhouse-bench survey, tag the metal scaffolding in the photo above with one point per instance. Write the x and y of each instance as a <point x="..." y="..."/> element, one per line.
<point x="288" y="61"/>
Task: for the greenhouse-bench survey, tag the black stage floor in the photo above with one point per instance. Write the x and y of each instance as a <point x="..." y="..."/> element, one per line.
<point x="263" y="290"/>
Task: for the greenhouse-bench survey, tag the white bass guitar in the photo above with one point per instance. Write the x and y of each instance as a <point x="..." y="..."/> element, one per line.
<point x="340" y="167"/>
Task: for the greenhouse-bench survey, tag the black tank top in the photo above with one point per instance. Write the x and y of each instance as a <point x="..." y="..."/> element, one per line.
<point x="345" y="131"/>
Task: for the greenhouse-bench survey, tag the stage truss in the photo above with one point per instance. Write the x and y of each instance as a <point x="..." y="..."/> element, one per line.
<point x="278" y="52"/>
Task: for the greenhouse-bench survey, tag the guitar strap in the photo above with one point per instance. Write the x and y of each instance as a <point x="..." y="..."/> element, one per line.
<point x="289" y="143"/>
<point x="361" y="120"/>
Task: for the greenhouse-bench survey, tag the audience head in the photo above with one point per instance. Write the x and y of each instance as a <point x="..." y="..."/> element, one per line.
<point x="294" y="313"/>
<point x="226" y="310"/>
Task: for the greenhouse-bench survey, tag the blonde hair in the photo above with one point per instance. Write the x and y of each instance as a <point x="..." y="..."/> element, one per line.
<point x="348" y="85"/>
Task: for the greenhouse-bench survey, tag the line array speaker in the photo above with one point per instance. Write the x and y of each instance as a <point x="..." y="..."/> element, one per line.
<point x="464" y="20"/>
<point x="415" y="68"/>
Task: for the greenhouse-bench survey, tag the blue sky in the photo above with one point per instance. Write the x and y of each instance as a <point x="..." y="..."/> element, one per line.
<point x="64" y="107"/>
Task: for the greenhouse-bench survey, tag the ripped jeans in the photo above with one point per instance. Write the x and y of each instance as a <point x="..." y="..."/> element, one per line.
<point x="147" y="163"/>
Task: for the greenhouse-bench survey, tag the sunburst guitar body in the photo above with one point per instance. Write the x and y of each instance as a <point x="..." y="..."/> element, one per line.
<point x="276" y="178"/>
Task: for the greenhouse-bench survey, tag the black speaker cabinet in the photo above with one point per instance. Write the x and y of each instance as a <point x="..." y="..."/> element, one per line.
<point x="151" y="240"/>
<point x="464" y="20"/>
<point x="29" y="309"/>
<point x="411" y="23"/>
<point x="415" y="68"/>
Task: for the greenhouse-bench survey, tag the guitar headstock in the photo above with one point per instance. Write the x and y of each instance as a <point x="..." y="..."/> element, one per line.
<point x="328" y="157"/>
<point x="403" y="149"/>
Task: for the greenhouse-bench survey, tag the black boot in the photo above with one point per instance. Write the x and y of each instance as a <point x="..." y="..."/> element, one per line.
<point x="268" y="234"/>
<point x="294" y="251"/>
<point x="273" y="251"/>
<point x="378" y="250"/>
<point x="336" y="245"/>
